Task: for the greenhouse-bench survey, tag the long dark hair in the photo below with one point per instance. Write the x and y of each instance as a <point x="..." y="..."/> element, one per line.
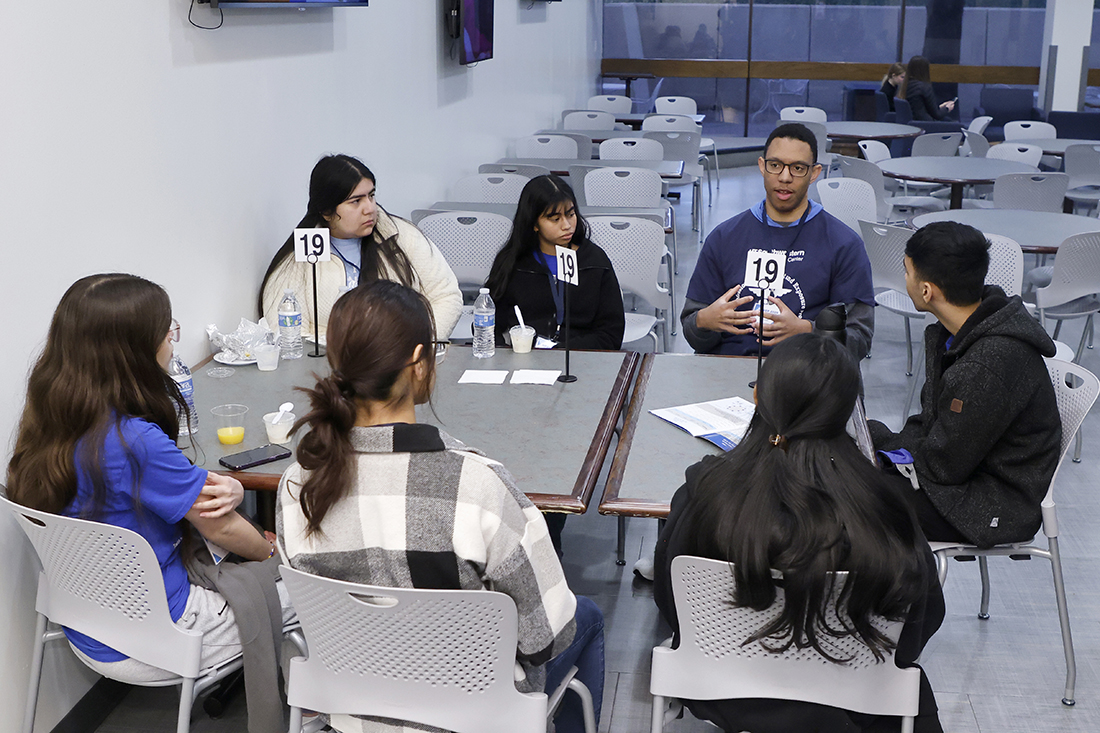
<point x="918" y="69"/>
<point x="372" y="332"/>
<point x="330" y="184"/>
<point x="810" y="505"/>
<point x="99" y="364"/>
<point x="540" y="196"/>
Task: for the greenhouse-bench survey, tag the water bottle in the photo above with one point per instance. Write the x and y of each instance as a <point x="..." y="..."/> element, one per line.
<point x="182" y="375"/>
<point x="485" y="321"/>
<point x="290" y="327"/>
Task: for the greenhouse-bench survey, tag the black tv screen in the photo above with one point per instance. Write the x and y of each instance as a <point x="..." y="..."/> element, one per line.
<point x="288" y="3"/>
<point x="476" y="37"/>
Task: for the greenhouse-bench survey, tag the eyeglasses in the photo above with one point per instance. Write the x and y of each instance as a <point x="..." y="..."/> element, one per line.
<point x="798" y="170"/>
<point x="174" y="331"/>
<point x="441" y="351"/>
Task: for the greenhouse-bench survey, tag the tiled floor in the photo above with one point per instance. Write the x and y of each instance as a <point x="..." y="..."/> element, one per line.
<point x="1002" y="675"/>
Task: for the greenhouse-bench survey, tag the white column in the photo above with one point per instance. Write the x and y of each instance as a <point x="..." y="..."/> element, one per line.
<point x="1069" y="27"/>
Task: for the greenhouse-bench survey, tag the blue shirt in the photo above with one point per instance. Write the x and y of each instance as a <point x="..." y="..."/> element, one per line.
<point x="165" y="484"/>
<point x="349" y="251"/>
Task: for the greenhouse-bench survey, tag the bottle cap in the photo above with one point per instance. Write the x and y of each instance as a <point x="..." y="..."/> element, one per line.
<point x="288" y="291"/>
<point x="484" y="291"/>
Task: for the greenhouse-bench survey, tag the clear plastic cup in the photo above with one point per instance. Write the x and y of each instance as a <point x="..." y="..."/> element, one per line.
<point x="523" y="337"/>
<point x="229" y="420"/>
<point x="267" y="357"/>
<point x="278" y="432"/>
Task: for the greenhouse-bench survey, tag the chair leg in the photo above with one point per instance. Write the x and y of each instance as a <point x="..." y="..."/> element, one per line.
<point x="1088" y="325"/>
<point x="717" y="169"/>
<point x="908" y="350"/>
<point x="941" y="567"/>
<point x="295" y="720"/>
<point x="1080" y="346"/>
<point x="657" y="723"/>
<point x="620" y="544"/>
<point x="1063" y="619"/>
<point x="907" y="724"/>
<point x="1058" y="327"/>
<point x="588" y="710"/>
<point x="187" y="700"/>
<point x="1077" y="447"/>
<point x="36" y="673"/>
<point x="983" y="568"/>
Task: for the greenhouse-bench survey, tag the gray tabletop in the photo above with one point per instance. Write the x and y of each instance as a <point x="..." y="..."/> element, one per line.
<point x="661" y="216"/>
<point x="937" y="169"/>
<point x="649" y="462"/>
<point x="870" y="130"/>
<point x="1035" y="231"/>
<point x="637" y="118"/>
<point x="1054" y="145"/>
<point x="552" y="438"/>
<point x="560" y="166"/>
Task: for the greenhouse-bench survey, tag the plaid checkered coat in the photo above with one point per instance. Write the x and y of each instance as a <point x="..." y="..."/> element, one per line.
<point x="425" y="511"/>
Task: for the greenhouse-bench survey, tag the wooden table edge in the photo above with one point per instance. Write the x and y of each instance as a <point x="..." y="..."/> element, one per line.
<point x="630" y="425"/>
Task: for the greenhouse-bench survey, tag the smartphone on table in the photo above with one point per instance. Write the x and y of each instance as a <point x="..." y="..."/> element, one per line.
<point x="255" y="457"/>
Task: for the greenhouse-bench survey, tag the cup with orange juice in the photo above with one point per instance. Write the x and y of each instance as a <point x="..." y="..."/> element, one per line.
<point x="230" y="422"/>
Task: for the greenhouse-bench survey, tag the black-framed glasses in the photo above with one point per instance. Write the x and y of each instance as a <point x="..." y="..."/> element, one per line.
<point x="798" y="170"/>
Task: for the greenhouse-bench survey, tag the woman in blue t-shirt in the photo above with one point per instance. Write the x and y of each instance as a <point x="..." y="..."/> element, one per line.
<point x="97" y="440"/>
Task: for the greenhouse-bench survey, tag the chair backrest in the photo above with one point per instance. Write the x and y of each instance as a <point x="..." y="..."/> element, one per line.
<point x="1075" y="389"/>
<point x="442" y="658"/>
<point x="903" y="111"/>
<point x="885" y="246"/>
<point x="1017" y="152"/>
<point x="1076" y="271"/>
<point x="627" y="187"/>
<point x="468" y="241"/>
<point x="1006" y="264"/>
<point x="671" y="123"/>
<point x="616" y="105"/>
<point x="547" y="146"/>
<point x="1022" y="129"/>
<point x="865" y="170"/>
<point x="848" y="199"/>
<point x="675" y="106"/>
<point x="589" y="120"/>
<point x="1031" y="191"/>
<point x="716" y="660"/>
<point x="974" y="145"/>
<point x="944" y="144"/>
<point x="874" y="150"/>
<point x="528" y="171"/>
<point x="105" y="582"/>
<point x="679" y="146"/>
<point x="803" y="114"/>
<point x="490" y="188"/>
<point x="882" y="107"/>
<point x="1082" y="160"/>
<point x="631" y="148"/>
<point x="978" y="124"/>
<point x="635" y="247"/>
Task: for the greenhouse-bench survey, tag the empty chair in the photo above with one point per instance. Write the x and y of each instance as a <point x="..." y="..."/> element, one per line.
<point x="1074" y="285"/>
<point x="1024" y="129"/>
<point x="1006" y="264"/>
<point x="490" y="188"/>
<point x="687" y="106"/>
<point x="589" y="120"/>
<point x="1018" y="152"/>
<point x="631" y="148"/>
<point x="888" y="207"/>
<point x="684" y="146"/>
<point x="468" y="241"/>
<point x="682" y="123"/>
<point x="1030" y="191"/>
<point x="886" y="250"/>
<point x="874" y="150"/>
<point x="1082" y="165"/>
<point x="974" y="145"/>
<point x="848" y="199"/>
<point x="626" y="187"/>
<point x="978" y="124"/>
<point x="943" y="144"/>
<point x="527" y="171"/>
<point x="803" y="114"/>
<point x="547" y="146"/>
<point x="616" y="105"/>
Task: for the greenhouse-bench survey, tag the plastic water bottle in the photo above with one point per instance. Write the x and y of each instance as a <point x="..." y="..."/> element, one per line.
<point x="485" y="321"/>
<point x="182" y="375"/>
<point x="290" y="327"/>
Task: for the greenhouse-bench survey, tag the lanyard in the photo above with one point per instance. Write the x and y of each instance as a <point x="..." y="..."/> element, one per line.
<point x="557" y="288"/>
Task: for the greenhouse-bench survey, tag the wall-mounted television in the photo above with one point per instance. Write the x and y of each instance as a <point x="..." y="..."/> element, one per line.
<point x="475" y="38"/>
<point x="302" y="4"/>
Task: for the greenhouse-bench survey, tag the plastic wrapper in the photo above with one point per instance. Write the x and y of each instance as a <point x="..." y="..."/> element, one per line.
<point x="240" y="344"/>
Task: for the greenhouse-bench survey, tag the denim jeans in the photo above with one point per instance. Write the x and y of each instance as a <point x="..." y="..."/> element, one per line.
<point x="586" y="654"/>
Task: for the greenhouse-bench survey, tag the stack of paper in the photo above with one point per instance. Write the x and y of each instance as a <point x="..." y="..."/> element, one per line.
<point x="722" y="422"/>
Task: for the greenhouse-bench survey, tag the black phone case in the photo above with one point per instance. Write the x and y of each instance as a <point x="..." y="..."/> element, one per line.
<point x="227" y="460"/>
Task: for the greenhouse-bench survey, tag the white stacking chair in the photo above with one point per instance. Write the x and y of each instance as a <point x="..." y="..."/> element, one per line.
<point x="490" y="188"/>
<point x="636" y="248"/>
<point x="631" y="148"/>
<point x="849" y="199"/>
<point x="1006" y="264"/>
<point x="978" y="124"/>
<point x="717" y="661"/>
<point x="1025" y="129"/>
<point x="681" y="123"/>
<point x="615" y="104"/>
<point x="803" y="114"/>
<point x="1018" y="152"/>
<point x="885" y="246"/>
<point x="469" y="242"/>
<point x="589" y="120"/>
<point x="440" y="658"/>
<point x="865" y="170"/>
<point x="687" y="106"/>
<point x="105" y="582"/>
<point x="520" y="169"/>
<point x="561" y="147"/>
<point x="1076" y="390"/>
<point x="684" y="146"/>
<point x="939" y="144"/>
<point x="974" y="145"/>
<point x="1030" y="191"/>
<point x="874" y="151"/>
<point x="1074" y="289"/>
<point x="1082" y="164"/>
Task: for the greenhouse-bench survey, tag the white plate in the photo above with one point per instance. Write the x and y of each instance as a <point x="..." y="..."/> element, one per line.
<point x="221" y="358"/>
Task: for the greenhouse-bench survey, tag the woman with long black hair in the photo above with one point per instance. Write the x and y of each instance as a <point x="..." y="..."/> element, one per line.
<point x="793" y="502"/>
<point x="917" y="90"/>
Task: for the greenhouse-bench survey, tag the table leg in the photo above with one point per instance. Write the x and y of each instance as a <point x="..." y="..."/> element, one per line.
<point x="620" y="542"/>
<point x="956" y="195"/>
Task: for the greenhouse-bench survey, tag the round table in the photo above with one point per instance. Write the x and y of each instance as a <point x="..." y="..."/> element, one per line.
<point x="957" y="172"/>
<point x="1038" y="232"/>
<point x="1053" y="145"/>
<point x="856" y="130"/>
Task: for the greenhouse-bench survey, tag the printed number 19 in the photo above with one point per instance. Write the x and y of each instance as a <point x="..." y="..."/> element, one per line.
<point x="771" y="270"/>
<point x="567" y="267"/>
<point x="312" y="245"/>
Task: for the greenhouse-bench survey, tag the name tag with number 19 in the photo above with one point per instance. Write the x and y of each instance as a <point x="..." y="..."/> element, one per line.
<point x="312" y="245"/>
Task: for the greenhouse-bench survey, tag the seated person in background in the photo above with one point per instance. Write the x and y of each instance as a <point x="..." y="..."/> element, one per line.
<point x="893" y="80"/>
<point x="822" y="261"/>
<point x="377" y="498"/>
<point x="523" y="273"/>
<point x="367" y="243"/>
<point x="986" y="441"/>
<point x="918" y="92"/>
<point x="797" y="498"/>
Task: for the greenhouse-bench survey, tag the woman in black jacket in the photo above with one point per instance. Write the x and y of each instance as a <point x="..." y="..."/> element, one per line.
<point x="918" y="92"/>
<point x="523" y="273"/>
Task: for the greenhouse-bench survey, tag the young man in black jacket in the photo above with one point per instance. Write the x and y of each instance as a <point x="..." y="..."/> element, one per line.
<point x="987" y="439"/>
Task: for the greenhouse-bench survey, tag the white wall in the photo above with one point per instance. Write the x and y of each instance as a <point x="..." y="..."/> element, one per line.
<point x="131" y="141"/>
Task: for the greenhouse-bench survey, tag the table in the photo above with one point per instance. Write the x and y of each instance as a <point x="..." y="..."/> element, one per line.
<point x="855" y="130"/>
<point x="957" y="172"/>
<point x="635" y="119"/>
<point x="553" y="439"/>
<point x="1037" y="232"/>
<point x="662" y="215"/>
<point x="1053" y="145"/>
<point x="560" y="166"/>
<point x="629" y="77"/>
<point x="648" y="464"/>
